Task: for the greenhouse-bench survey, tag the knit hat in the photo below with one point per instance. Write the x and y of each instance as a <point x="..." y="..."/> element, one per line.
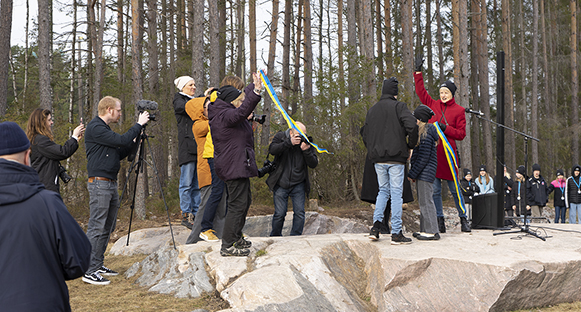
<point x="390" y="86"/>
<point x="521" y="170"/>
<point x="536" y="167"/>
<point x="482" y="168"/>
<point x="228" y="93"/>
<point x="450" y="86"/>
<point x="14" y="139"/>
<point x="423" y="113"/>
<point x="575" y="168"/>
<point x="181" y="82"/>
<point x="560" y="172"/>
<point x="467" y="172"/>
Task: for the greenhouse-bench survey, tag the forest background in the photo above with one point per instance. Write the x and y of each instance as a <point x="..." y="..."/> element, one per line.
<point x="326" y="58"/>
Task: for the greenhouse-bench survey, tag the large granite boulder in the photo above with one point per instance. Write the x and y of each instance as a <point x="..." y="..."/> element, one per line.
<point x="348" y="272"/>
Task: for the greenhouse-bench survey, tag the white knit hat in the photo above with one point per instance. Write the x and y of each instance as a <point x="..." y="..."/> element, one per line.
<point x="181" y="82"/>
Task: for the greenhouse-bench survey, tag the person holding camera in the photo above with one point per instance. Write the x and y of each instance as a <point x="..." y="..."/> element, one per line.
<point x="45" y="154"/>
<point x="234" y="155"/>
<point x="105" y="150"/>
<point x="290" y="177"/>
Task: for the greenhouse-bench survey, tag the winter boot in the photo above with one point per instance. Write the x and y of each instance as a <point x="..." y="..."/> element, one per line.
<point x="465" y="227"/>
<point x="441" y="225"/>
<point x="186" y="220"/>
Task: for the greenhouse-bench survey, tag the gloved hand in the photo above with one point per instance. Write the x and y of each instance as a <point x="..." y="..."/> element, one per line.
<point x="442" y="126"/>
<point x="419" y="62"/>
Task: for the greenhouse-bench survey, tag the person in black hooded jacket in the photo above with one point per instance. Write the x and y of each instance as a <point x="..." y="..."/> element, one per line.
<point x="573" y="195"/>
<point x="389" y="131"/>
<point x="41" y="244"/>
<point x="537" y="192"/>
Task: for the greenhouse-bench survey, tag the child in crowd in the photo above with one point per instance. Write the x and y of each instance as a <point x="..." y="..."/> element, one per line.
<point x="484" y="181"/>
<point x="508" y="185"/>
<point x="559" y="185"/>
<point x="469" y="189"/>
<point x="424" y="162"/>
<point x="519" y="202"/>
<point x="537" y="192"/>
<point x="573" y="195"/>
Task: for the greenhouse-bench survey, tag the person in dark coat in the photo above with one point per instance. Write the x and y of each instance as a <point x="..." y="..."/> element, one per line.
<point x="519" y="197"/>
<point x="507" y="187"/>
<point x="189" y="189"/>
<point x="45" y="154"/>
<point x="424" y="162"/>
<point x="234" y="159"/>
<point x="292" y="157"/>
<point x="573" y="195"/>
<point x="469" y="190"/>
<point x="559" y="185"/>
<point x="537" y="192"/>
<point x="389" y="127"/>
<point x="452" y="121"/>
<point x="41" y="245"/>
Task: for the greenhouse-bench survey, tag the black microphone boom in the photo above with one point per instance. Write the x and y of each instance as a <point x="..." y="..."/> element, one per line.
<point x="479" y="113"/>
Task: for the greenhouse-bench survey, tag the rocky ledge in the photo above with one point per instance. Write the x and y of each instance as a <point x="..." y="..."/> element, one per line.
<point x="348" y="272"/>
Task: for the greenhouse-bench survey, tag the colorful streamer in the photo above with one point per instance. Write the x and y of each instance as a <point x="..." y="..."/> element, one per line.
<point x="291" y="123"/>
<point x="453" y="163"/>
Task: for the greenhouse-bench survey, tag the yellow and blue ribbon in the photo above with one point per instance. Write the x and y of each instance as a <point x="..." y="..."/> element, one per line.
<point x="453" y="164"/>
<point x="291" y="123"/>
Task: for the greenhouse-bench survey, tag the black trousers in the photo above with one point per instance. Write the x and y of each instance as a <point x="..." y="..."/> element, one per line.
<point x="239" y="198"/>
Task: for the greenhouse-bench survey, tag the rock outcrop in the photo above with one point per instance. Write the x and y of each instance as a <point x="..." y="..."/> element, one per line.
<point x="348" y="272"/>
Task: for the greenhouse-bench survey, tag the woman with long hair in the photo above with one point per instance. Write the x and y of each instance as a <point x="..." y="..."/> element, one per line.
<point x="485" y="182"/>
<point x="45" y="154"/>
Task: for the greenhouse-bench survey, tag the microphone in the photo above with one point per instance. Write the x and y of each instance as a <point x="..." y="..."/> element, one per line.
<point x="479" y="113"/>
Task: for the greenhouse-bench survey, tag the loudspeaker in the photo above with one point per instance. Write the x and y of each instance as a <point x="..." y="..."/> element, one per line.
<point x="485" y="213"/>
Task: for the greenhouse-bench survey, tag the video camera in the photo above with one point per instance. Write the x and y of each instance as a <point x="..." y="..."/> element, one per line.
<point x="146" y="105"/>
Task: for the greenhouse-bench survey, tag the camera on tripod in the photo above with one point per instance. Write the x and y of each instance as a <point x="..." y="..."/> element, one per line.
<point x="63" y="174"/>
<point x="146" y="105"/>
<point x="268" y="167"/>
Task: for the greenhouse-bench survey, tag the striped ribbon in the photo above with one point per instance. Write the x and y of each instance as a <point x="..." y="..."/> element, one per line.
<point x="291" y="123"/>
<point x="453" y="164"/>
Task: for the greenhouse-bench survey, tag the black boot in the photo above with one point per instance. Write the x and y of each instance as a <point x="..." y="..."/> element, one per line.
<point x="441" y="225"/>
<point x="374" y="233"/>
<point x="465" y="227"/>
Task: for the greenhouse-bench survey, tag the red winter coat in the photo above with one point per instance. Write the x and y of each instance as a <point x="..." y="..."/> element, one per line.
<point x="455" y="119"/>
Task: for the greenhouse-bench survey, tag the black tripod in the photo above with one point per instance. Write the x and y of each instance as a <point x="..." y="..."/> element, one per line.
<point x="137" y="163"/>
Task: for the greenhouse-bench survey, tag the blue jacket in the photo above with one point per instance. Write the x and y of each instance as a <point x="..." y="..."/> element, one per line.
<point x="425" y="158"/>
<point x="41" y="245"/>
<point x="233" y="137"/>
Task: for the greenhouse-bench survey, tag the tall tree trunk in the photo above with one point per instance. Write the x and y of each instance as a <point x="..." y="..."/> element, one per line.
<point x="241" y="4"/>
<point x="308" y="71"/>
<point x="379" y="38"/>
<point x="440" y="42"/>
<point x="341" y="50"/>
<point x="252" y="33"/>
<point x="286" y="42"/>
<point x="137" y="93"/>
<point x="6" y="25"/>
<point x="73" y="67"/>
<point x="388" y="51"/>
<point x="297" y="61"/>
<point x="152" y="51"/>
<point x="430" y="53"/>
<point x="370" y="88"/>
<point x="44" y="54"/>
<point x="221" y="38"/>
<point x="535" y="82"/>
<point x="198" y="45"/>
<point x="265" y="136"/>
<point x="215" y="39"/>
<point x="551" y="156"/>
<point x="120" y="47"/>
<point x="26" y="47"/>
<point x="574" y="84"/>
<point x="473" y="124"/>
<point x="521" y="104"/>
<point x="352" y="51"/>
<point x="482" y="48"/>
<point x="407" y="53"/>
<point x="510" y="146"/>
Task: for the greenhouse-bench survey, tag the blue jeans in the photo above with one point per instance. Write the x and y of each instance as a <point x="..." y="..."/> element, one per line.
<point x="213" y="200"/>
<point x="390" y="180"/>
<point x="438" y="198"/>
<point x="574" y="210"/>
<point x="103" y="205"/>
<point x="281" y="195"/>
<point x="189" y="191"/>
<point x="560" y="211"/>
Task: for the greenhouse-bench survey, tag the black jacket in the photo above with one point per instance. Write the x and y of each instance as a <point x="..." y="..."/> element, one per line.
<point x="572" y="195"/>
<point x="559" y="198"/>
<point x="387" y="125"/>
<point x="508" y="198"/>
<point x="370" y="187"/>
<point x="187" y="148"/>
<point x="424" y="159"/>
<point x="291" y="162"/>
<point x="519" y="197"/>
<point x="45" y="156"/>
<point x="469" y="188"/>
<point x="41" y="245"/>
<point x="537" y="191"/>
<point x="105" y="148"/>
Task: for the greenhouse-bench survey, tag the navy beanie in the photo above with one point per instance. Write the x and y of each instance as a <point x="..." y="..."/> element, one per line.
<point x="390" y="86"/>
<point x="14" y="139"/>
<point x="560" y="172"/>
<point x="423" y="113"/>
<point x="450" y="86"/>
<point x="482" y="168"/>
<point x="521" y="170"/>
<point x="536" y="167"/>
<point x="467" y="172"/>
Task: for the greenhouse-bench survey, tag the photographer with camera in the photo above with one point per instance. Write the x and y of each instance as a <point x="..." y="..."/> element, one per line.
<point x="45" y="154"/>
<point x="290" y="177"/>
<point x="105" y="150"/>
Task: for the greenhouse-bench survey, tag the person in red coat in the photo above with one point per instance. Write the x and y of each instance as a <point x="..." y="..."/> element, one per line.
<point x="452" y="120"/>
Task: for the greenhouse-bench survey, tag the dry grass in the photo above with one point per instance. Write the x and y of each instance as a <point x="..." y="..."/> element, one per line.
<point x="564" y="307"/>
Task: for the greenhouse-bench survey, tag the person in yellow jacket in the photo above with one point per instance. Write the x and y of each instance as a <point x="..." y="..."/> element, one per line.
<point x="197" y="109"/>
